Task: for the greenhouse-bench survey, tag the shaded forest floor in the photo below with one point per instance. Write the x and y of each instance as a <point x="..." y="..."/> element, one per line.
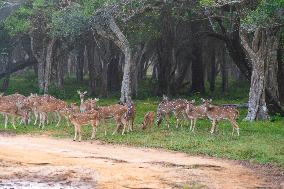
<point x="259" y="142"/>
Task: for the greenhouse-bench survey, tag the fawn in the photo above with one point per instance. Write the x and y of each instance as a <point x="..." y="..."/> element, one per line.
<point x="148" y="120"/>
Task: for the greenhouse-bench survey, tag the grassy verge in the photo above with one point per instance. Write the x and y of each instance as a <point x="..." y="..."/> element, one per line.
<point x="259" y="142"/>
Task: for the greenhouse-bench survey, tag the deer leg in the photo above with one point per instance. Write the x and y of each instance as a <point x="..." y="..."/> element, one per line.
<point x="79" y="133"/>
<point x="29" y="118"/>
<point x="213" y="126"/>
<point x="235" y="127"/>
<point x="6" y="120"/>
<point x="105" y="126"/>
<point x="94" y="130"/>
<point x="117" y="127"/>
<point x="13" y="122"/>
<point x="177" y="119"/>
<point x="46" y="118"/>
<point x="168" y="120"/>
<point x="194" y="124"/>
<point x="40" y="117"/>
<point x="75" y="133"/>
<point x="36" y="116"/>
<point x="124" y="125"/>
<point x="191" y="123"/>
<point x="159" y="120"/>
<point x="59" y="119"/>
<point x="43" y="119"/>
<point x="132" y="124"/>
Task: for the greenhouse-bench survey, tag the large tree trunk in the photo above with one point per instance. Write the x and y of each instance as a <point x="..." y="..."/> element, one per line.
<point x="225" y="72"/>
<point x="280" y="73"/>
<point x="121" y="41"/>
<point x="38" y="49"/>
<point x="262" y="53"/>
<point x="197" y="71"/>
<point x="165" y="50"/>
<point x="49" y="60"/>
<point x="91" y="63"/>
<point x="213" y="69"/>
<point x="80" y="63"/>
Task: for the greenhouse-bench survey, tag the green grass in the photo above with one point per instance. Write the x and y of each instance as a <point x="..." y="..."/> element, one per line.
<point x="259" y="142"/>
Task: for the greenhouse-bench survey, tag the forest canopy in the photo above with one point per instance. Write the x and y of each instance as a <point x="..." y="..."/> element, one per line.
<point x="183" y="44"/>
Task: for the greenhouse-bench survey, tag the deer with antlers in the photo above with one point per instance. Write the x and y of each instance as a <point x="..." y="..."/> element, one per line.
<point x="217" y="113"/>
<point x="87" y="105"/>
<point x="166" y="107"/>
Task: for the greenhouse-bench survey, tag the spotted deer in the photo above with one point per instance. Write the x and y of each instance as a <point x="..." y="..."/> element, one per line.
<point x="14" y="99"/>
<point x="116" y="111"/>
<point x="130" y="115"/>
<point x="65" y="112"/>
<point x="148" y="120"/>
<point x="80" y="119"/>
<point x="217" y="113"/>
<point x="166" y="107"/>
<point x="194" y="113"/>
<point x="13" y="109"/>
<point x="89" y="104"/>
<point x="42" y="105"/>
<point x="83" y="106"/>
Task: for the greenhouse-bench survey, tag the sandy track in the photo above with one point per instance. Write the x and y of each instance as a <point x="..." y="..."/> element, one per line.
<point x="96" y="165"/>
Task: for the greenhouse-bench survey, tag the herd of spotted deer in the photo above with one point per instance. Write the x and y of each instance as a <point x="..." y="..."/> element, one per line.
<point x="89" y="113"/>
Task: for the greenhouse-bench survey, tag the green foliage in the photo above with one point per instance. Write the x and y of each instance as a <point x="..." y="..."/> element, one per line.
<point x="143" y="29"/>
<point x="2" y="3"/>
<point x="19" y="22"/>
<point x="268" y="13"/>
<point x="206" y="3"/>
<point x="70" y="22"/>
<point x="4" y="38"/>
<point x="90" y="6"/>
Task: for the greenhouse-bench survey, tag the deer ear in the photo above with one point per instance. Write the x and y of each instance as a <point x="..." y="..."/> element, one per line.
<point x="210" y="100"/>
<point x="202" y="99"/>
<point x="97" y="99"/>
<point x="79" y="92"/>
<point x="193" y="101"/>
<point x="85" y="92"/>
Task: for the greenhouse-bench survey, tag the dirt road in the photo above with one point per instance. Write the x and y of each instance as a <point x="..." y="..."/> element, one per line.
<point x="62" y="163"/>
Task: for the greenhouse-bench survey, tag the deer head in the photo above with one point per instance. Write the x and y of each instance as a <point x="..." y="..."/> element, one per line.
<point x="82" y="95"/>
<point x="94" y="103"/>
<point x="165" y="98"/>
<point x="207" y="103"/>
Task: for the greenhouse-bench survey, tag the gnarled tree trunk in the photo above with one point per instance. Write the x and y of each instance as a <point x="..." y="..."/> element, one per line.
<point x="262" y="53"/>
<point x="49" y="60"/>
